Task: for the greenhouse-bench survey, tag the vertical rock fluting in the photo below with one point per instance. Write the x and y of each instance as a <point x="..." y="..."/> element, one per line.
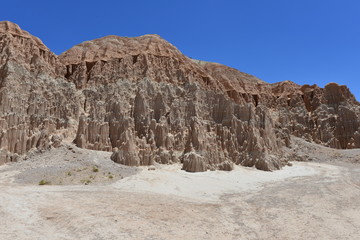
<point x="203" y="114"/>
<point x="35" y="102"/>
<point x="328" y="116"/>
<point x="144" y="100"/>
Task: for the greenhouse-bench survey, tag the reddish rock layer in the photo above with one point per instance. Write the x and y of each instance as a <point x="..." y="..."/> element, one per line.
<point x="111" y="58"/>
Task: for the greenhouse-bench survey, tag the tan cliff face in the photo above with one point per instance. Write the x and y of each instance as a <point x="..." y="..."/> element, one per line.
<point x="17" y="32"/>
<point x="35" y="100"/>
<point x="134" y="59"/>
<point x="144" y="100"/>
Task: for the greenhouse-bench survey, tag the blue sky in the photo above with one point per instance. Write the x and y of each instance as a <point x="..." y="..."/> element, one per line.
<point x="308" y="42"/>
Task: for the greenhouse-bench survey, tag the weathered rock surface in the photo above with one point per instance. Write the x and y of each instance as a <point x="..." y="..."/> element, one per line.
<point x="35" y="100"/>
<point x="144" y="100"/>
<point x="193" y="162"/>
<point x="328" y="116"/>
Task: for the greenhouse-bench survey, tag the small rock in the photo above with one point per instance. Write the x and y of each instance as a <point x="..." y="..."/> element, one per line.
<point x="151" y="168"/>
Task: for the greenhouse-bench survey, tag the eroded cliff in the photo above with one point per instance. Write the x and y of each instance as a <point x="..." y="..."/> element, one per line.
<point x="144" y="100"/>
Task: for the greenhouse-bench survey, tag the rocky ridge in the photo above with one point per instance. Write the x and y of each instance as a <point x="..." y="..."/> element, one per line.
<point x="144" y="100"/>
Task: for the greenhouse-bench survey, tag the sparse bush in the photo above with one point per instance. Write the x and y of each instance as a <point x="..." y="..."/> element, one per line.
<point x="111" y="176"/>
<point x="86" y="181"/>
<point x="95" y="169"/>
<point x="44" y="182"/>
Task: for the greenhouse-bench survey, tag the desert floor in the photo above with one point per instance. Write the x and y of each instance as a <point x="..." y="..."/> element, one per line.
<point x="90" y="197"/>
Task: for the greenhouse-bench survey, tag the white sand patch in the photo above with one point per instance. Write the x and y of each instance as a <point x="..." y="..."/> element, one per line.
<point x="209" y="186"/>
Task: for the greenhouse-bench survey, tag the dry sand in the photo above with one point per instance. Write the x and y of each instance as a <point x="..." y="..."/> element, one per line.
<point x="209" y="186"/>
<point x="310" y="200"/>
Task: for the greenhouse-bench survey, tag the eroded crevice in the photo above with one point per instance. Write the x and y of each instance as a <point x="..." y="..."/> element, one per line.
<point x="135" y="58"/>
<point x="206" y="80"/>
<point x="256" y="100"/>
<point x="89" y="66"/>
<point x="70" y="69"/>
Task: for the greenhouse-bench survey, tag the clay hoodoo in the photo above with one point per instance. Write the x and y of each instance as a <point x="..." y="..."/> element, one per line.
<point x="144" y="86"/>
<point x="144" y="100"/>
<point x="36" y="102"/>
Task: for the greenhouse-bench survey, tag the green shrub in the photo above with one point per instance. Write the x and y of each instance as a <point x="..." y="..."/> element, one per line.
<point x="86" y="181"/>
<point x="44" y="182"/>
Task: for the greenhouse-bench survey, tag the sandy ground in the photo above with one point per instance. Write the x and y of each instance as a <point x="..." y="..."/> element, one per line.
<point x="310" y="200"/>
<point x="68" y="165"/>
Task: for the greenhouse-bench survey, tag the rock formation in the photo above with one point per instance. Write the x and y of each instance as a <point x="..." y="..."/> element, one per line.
<point x="36" y="101"/>
<point x="144" y="100"/>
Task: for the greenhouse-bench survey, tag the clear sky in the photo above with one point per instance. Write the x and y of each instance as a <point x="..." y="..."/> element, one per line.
<point x="305" y="41"/>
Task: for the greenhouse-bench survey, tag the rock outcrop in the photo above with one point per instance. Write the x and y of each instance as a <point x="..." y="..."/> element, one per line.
<point x="144" y="100"/>
<point x="194" y="163"/>
<point x="329" y="116"/>
<point x="36" y="101"/>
